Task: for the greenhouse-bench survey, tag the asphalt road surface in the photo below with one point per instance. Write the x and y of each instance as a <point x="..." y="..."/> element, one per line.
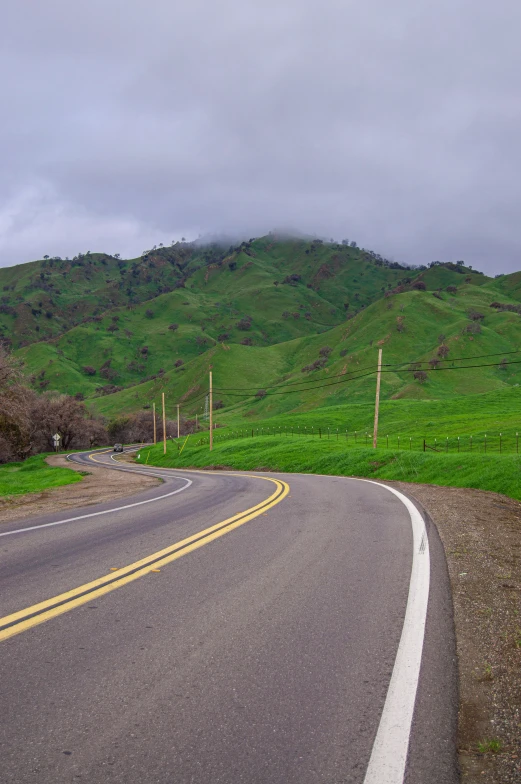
<point x="222" y="628"/>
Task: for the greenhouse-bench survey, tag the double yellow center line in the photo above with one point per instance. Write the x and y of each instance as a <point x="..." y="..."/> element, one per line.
<point x="39" y="613"/>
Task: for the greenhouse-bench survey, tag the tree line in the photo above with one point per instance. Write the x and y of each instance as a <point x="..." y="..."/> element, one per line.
<point x="29" y="420"/>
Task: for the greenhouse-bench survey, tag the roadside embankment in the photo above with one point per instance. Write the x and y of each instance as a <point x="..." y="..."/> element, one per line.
<point x="498" y="473"/>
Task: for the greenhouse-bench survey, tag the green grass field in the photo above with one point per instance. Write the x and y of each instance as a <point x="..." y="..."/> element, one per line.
<point x="498" y="473"/>
<point x="33" y="476"/>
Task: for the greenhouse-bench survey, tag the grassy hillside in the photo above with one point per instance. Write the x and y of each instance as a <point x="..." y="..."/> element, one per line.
<point x="300" y="319"/>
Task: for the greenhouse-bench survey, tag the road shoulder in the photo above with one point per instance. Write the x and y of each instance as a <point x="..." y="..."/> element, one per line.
<point x="98" y="485"/>
<point x="480" y="532"/>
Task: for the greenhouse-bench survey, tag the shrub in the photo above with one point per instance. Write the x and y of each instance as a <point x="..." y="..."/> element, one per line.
<point x="232" y="266"/>
<point x="292" y="279"/>
<point x="261" y="393"/>
<point x="286" y="314"/>
<point x="144" y="351"/>
<point x="244" y="324"/>
<point x="217" y="405"/>
<point x="325" y="351"/>
<point x="173" y="327"/>
<point x="475" y="315"/>
<point x="178" y="363"/>
<point x="419" y="285"/>
<point x="421" y="376"/>
<point x="246" y="342"/>
<point x="149" y="313"/>
<point x="223" y="336"/>
<point x="451" y="289"/>
<point x="89" y="370"/>
<point x="472" y="329"/>
<point x="343" y="352"/>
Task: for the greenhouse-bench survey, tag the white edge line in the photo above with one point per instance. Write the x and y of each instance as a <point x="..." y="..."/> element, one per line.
<point x="391" y="745"/>
<point x="97" y="514"/>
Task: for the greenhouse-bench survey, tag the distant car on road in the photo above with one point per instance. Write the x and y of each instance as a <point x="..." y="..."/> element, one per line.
<point x="118" y="448"/>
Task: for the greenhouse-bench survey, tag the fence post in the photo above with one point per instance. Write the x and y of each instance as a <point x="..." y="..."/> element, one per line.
<point x="424" y="445"/>
<point x="319" y="433"/>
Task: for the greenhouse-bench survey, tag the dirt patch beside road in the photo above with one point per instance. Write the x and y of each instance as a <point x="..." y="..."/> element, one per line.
<point x="481" y="533"/>
<point x="100" y="485"/>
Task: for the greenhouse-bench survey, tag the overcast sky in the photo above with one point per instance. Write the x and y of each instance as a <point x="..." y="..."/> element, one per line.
<point x="132" y="122"/>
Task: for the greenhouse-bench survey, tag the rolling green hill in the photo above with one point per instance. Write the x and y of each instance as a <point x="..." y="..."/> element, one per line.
<point x="289" y="316"/>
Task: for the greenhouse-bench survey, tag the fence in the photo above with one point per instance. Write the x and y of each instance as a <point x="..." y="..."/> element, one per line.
<point x="499" y="443"/>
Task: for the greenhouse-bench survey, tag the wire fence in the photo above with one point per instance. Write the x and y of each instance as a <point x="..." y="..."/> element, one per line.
<point x="489" y="443"/>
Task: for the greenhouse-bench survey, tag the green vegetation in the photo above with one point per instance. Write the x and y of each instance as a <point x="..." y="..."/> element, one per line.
<point x="498" y="473"/>
<point x="33" y="476"/>
<point x="299" y="319"/>
<point x="491" y="746"/>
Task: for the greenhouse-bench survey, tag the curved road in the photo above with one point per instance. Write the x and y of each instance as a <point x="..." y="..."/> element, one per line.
<point x="228" y="627"/>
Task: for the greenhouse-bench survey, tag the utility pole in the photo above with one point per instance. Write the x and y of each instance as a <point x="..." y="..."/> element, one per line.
<point x="155" y="428"/>
<point x="178" y="428"/>
<point x="211" y="413"/>
<point x="164" y="423"/>
<point x="377" y="402"/>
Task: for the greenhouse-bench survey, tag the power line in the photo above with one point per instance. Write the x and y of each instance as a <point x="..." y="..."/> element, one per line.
<point x="363" y="375"/>
<point x="398" y="368"/>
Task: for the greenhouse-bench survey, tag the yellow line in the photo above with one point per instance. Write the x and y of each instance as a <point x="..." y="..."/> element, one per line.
<point x="106" y="584"/>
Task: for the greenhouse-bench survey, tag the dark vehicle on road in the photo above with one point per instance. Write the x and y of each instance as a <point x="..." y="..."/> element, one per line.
<point x="118" y="448"/>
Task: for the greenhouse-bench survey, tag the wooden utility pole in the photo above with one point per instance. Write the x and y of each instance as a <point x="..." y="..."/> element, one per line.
<point x="164" y="423"/>
<point x="155" y="428"/>
<point x="211" y="413"/>
<point x="178" y="428"/>
<point x="377" y="402"/>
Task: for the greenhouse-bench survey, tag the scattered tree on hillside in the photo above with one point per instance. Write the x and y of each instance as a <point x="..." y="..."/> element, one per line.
<point x="173" y="327"/>
<point x="419" y="285"/>
<point x="421" y="376"/>
<point x="261" y="393"/>
<point x="89" y="370"/>
<point x="443" y="351"/>
<point x="244" y="324"/>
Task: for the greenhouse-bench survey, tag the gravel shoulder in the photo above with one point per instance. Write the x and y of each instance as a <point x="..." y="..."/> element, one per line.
<point x="98" y="486"/>
<point x="481" y="534"/>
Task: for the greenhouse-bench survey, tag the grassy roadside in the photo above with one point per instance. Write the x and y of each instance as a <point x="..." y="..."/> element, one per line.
<point x="498" y="473"/>
<point x="33" y="476"/>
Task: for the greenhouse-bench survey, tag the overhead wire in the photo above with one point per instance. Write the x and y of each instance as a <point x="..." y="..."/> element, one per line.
<point x="397" y="366"/>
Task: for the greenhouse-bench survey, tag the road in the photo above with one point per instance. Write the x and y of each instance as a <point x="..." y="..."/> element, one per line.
<point x="228" y="628"/>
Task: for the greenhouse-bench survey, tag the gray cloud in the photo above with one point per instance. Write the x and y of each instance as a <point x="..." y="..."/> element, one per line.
<point x="131" y="123"/>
